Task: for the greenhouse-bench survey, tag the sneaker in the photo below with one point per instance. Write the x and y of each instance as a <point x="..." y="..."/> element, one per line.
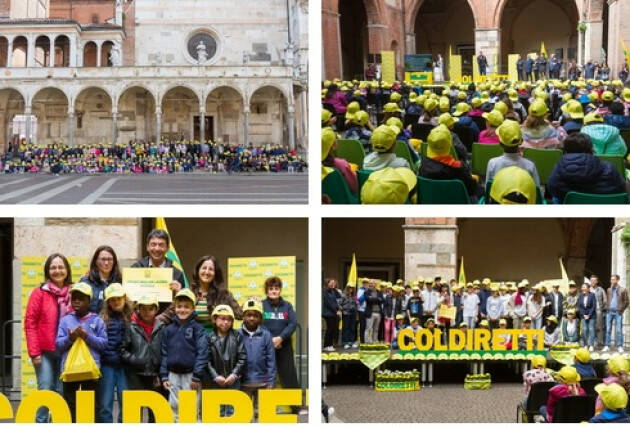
<point x="355" y="345"/>
<point x="346" y="346"/>
<point x="606" y="348"/>
<point x="591" y="348"/>
<point x="329" y="348"/>
<point x="620" y="349"/>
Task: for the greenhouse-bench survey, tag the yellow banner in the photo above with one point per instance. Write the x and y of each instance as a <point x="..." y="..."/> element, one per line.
<point x="388" y="66"/>
<point x="475" y="69"/>
<point x="31" y="277"/>
<point x="512" y="70"/>
<point x="148" y="281"/>
<point x="455" y="68"/>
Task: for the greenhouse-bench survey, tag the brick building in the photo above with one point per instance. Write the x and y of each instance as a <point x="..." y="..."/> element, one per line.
<point x="353" y="29"/>
<point x="104" y="71"/>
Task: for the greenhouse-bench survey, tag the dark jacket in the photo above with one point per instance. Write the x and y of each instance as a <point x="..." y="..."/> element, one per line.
<point x="98" y="289"/>
<point x="529" y="65"/>
<point x="586" y="370"/>
<point x="228" y="359"/>
<point x="167" y="310"/>
<point x="590" y="305"/>
<point x="433" y="169"/>
<point x="549" y="310"/>
<point x="617" y="120"/>
<point x="141" y="356"/>
<point x="388" y="305"/>
<point x="483" y="295"/>
<point x="261" y="357"/>
<point x="608" y="416"/>
<point x="115" y="336"/>
<point x="468" y="122"/>
<point x="370" y="301"/>
<point x="584" y="173"/>
<point x="622" y="299"/>
<point x="348" y="304"/>
<point x="330" y="306"/>
<point x="184" y="349"/>
<point x="279" y="319"/>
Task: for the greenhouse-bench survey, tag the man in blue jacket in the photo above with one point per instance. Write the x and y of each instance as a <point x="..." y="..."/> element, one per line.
<point x="482" y="62"/>
<point x="586" y="306"/>
<point x="529" y="67"/>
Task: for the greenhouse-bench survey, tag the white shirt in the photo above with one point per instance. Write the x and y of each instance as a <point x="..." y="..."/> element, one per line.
<point x="471" y="304"/>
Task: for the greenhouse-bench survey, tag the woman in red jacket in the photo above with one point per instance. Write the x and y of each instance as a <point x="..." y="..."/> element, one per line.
<point x="46" y="306"/>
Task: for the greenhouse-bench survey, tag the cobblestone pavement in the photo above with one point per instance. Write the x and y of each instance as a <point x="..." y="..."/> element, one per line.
<point x="442" y="403"/>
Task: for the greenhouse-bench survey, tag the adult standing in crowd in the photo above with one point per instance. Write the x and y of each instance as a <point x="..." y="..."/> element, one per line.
<point x="331" y="312"/>
<point x="586" y="305"/>
<point x="617" y="302"/>
<point x="46" y="306"/>
<point x="104" y="270"/>
<point x="373" y="312"/>
<point x="482" y="62"/>
<point x="600" y="300"/>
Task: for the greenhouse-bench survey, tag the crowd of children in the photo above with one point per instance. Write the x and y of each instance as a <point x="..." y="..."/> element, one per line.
<point x="381" y="309"/>
<point x="142" y="157"/>
<point x="191" y="345"/>
<point x="439" y="125"/>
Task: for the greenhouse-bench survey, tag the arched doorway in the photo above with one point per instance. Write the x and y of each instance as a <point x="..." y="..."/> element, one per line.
<point x="224" y="116"/>
<point x="267" y="123"/>
<point x="443" y="23"/>
<point x="354" y="38"/>
<point x="106" y="50"/>
<point x="62" y="51"/>
<point x="4" y="47"/>
<point x="11" y="106"/>
<point x="93" y="110"/>
<point x="90" y="53"/>
<point x="136" y="115"/>
<point x="50" y="105"/>
<point x="42" y="51"/>
<point x="556" y="25"/>
<point x="20" y="51"/>
<point x="179" y="107"/>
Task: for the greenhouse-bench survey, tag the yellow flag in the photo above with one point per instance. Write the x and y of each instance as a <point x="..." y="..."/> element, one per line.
<point x="160" y="224"/>
<point x="352" y="275"/>
<point x="462" y="274"/>
<point x="543" y="50"/>
<point x="564" y="272"/>
<point x="626" y="53"/>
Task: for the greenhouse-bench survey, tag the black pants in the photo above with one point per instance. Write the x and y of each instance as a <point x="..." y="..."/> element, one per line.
<point x="70" y="394"/>
<point x="286" y="368"/>
<point x="361" y="326"/>
<point x="349" y="328"/>
<point x="332" y="331"/>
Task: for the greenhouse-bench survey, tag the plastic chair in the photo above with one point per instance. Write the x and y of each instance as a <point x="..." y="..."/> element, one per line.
<point x="589" y="385"/>
<point x="401" y="150"/>
<point x="336" y="187"/>
<point x="577" y="198"/>
<point x="351" y="150"/>
<point x="486" y="198"/>
<point x="544" y="159"/>
<point x="481" y="155"/>
<point x="535" y="399"/>
<point x="574" y="409"/>
<point x="625" y="134"/>
<point x="442" y="192"/>
<point x="617" y="161"/>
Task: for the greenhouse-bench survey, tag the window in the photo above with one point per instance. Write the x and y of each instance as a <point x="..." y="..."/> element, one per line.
<point x="259" y="108"/>
<point x="94" y="18"/>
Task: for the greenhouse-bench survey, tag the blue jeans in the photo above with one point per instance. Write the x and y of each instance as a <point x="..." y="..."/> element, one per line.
<point x="588" y="331"/>
<point x="48" y="379"/>
<point x="349" y="328"/>
<point x="613" y="316"/>
<point x="112" y="379"/>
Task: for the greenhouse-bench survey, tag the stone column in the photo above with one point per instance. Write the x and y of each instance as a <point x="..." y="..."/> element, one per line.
<point x="620" y="264"/>
<point x="246" y="125"/>
<point x="27" y="112"/>
<point x="10" y="53"/>
<point x="114" y="125"/>
<point x="411" y="43"/>
<point x="331" y="45"/>
<point x="99" y="46"/>
<point x="580" y="54"/>
<point x="202" y="124"/>
<point x="51" y="51"/>
<point x="291" y="125"/>
<point x="80" y="53"/>
<point x="73" y="51"/>
<point x="594" y="38"/>
<point x="618" y="11"/>
<point x="70" y="126"/>
<point x="430" y="247"/>
<point x="488" y="40"/>
<point x="158" y="127"/>
<point x="30" y="54"/>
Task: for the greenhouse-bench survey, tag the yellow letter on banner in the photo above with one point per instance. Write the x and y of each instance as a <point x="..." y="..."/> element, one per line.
<point x="437" y="340"/>
<point x="187" y="406"/>
<point x="498" y="339"/>
<point x="512" y="69"/>
<point x="85" y="406"/>
<point x="6" y="412"/>
<point x="429" y="336"/>
<point x="59" y="411"/>
<point x="211" y="401"/>
<point x="405" y="339"/>
<point x="482" y="339"/>
<point x="269" y="400"/>
<point x="135" y="400"/>
<point x="457" y="339"/>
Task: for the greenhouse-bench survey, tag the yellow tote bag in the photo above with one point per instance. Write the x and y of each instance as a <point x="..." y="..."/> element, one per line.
<point x="80" y="365"/>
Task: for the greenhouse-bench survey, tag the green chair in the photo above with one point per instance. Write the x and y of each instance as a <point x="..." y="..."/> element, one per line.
<point x="425" y="145"/>
<point x="481" y="155"/>
<point x="485" y="200"/>
<point x="362" y="177"/>
<point x="401" y="150"/>
<point x="544" y="159"/>
<point x="617" y="161"/>
<point x="351" y="150"/>
<point x="336" y="187"/>
<point x="576" y="198"/>
<point x="442" y="192"/>
<point x="625" y="134"/>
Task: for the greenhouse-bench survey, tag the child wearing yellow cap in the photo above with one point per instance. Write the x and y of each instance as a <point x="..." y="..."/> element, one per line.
<point x="383" y="142"/>
<point x="329" y="143"/>
<point x="614" y="400"/>
<point x="583" y="364"/>
<point x="570" y="386"/>
<point x="536" y="374"/>
<point x="360" y="129"/>
<point x="606" y="138"/>
<point x="494" y="119"/>
<point x="537" y="131"/>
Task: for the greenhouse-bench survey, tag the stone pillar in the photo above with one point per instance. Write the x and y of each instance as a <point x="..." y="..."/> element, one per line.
<point x="411" y="43"/>
<point x="27" y="112"/>
<point x="202" y="124"/>
<point x="618" y="29"/>
<point x="580" y="55"/>
<point x="594" y="38"/>
<point x="73" y="51"/>
<point x="246" y="126"/>
<point x="80" y="52"/>
<point x="331" y="44"/>
<point x="291" y="125"/>
<point x="51" y="51"/>
<point x="70" y="126"/>
<point x="158" y="127"/>
<point x="114" y="125"/>
<point x="30" y="51"/>
<point x="620" y="264"/>
<point x="488" y="40"/>
<point x="10" y="53"/>
<point x="430" y="247"/>
<point x="98" y="53"/>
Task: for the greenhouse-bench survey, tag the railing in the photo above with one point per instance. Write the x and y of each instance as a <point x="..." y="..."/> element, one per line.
<point x="7" y="389"/>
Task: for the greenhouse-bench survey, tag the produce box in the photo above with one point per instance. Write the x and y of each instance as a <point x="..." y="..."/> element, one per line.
<point x="477" y="382"/>
<point x="387" y="380"/>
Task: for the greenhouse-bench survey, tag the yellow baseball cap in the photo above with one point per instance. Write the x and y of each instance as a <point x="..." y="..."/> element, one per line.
<point x="399" y="317"/>
<point x="395" y="97"/>
<point x="395" y="121"/>
<point x="383" y="138"/>
<point x="148" y="300"/>
<point x="328" y="140"/>
<point x="430" y="104"/>
<point x="574" y="109"/>
<point x="461" y="108"/>
<point x="593" y="117"/>
<point x="83" y="288"/>
<point x="462" y="96"/>
<point x="582" y="354"/>
<point x="186" y="293"/>
<point x="361" y="118"/>
<point x="392" y="107"/>
<point x="484" y="322"/>
<point x="617" y="364"/>
<point x="444" y="103"/>
<point x="553" y="318"/>
<point x="476" y="102"/>
<point x="513" y="95"/>
<point x="569" y="375"/>
<point x="625" y="94"/>
<point x="538" y="108"/>
<point x="502" y="107"/>
<point x="223" y="310"/>
<point x="114" y="290"/>
<point x="513" y="180"/>
<point x="388" y="186"/>
<point x="494" y="117"/>
<point x="439" y="141"/>
<point x="447" y="120"/>
<point x="253" y="304"/>
<point x="326" y="116"/>
<point x="510" y="133"/>
<point x="539" y="361"/>
<point x="613" y="395"/>
<point x="608" y="96"/>
<point x="593" y="96"/>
